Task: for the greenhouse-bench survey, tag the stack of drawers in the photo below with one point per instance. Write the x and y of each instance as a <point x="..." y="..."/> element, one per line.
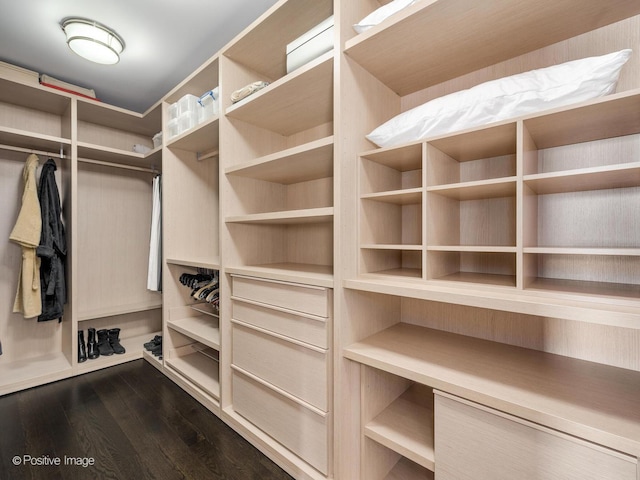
<point x="282" y="365"/>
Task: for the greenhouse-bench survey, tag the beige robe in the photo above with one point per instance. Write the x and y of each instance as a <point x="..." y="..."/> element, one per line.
<point x="26" y="233"/>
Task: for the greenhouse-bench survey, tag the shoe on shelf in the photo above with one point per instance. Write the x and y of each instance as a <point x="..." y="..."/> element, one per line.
<point x="157" y="340"/>
<point x="92" y="344"/>
<point x="82" y="348"/>
<point x="114" y="341"/>
<point x="104" y="347"/>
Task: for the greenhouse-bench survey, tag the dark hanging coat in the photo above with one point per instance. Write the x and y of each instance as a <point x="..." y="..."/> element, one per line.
<point x="53" y="247"/>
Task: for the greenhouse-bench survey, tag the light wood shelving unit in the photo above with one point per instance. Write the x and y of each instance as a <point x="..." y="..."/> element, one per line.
<point x="105" y="189"/>
<point x="519" y="226"/>
<point x="191" y="213"/>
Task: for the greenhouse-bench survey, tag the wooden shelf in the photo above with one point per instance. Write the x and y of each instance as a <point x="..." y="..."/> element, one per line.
<point x="422" y="45"/>
<point x="35" y="97"/>
<point x="472" y="248"/>
<point x="611" y="116"/>
<point x="406" y="427"/>
<point x="134" y="347"/>
<point x="115" y="155"/>
<point x="615" y="311"/>
<point x="30" y="140"/>
<point x="410" y="196"/>
<point x="407" y="470"/>
<point x="310" y="161"/>
<point x="584" y="179"/>
<point x="480" y="190"/>
<point x="480" y="278"/>
<point x="593" y="401"/>
<point x="197" y="368"/>
<point x="147" y="124"/>
<point x="289" y="217"/>
<point x="380" y="246"/>
<point x="203" y="138"/>
<point x="213" y="264"/>
<point x="21" y="374"/>
<point x="604" y="290"/>
<point x="120" y="310"/>
<point x="204" y="328"/>
<point x="297" y="102"/>
<point x="320" y="275"/>
<point x="403" y="159"/>
<point x="152" y="359"/>
<point x="262" y="47"/>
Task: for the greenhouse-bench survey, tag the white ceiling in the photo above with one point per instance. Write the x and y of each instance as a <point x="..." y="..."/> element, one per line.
<point x="165" y="41"/>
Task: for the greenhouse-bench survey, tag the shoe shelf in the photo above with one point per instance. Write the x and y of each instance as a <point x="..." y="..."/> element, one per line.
<point x="310" y="161"/>
<point x="204" y="328"/>
<point x="152" y="359"/>
<point x="299" y="101"/>
<point x="30" y="372"/>
<point x="199" y="365"/>
<point x="430" y="31"/>
<point x="134" y="347"/>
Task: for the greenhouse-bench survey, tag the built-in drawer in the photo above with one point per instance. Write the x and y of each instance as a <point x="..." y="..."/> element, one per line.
<point x="302" y="430"/>
<point x="473" y="441"/>
<point x="292" y="296"/>
<point x="304" y="327"/>
<point x="299" y="370"/>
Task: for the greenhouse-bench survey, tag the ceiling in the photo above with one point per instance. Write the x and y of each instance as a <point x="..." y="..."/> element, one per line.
<point x="165" y="40"/>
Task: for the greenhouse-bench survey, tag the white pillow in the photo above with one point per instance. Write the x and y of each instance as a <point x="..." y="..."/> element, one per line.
<point x="508" y="97"/>
<point x="381" y="14"/>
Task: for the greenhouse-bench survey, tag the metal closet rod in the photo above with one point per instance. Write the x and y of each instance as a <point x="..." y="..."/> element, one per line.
<point x="83" y="160"/>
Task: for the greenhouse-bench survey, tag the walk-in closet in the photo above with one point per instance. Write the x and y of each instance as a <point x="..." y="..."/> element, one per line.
<point x="378" y="240"/>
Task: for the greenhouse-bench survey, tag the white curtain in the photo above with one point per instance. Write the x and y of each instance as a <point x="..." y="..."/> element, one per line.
<point x="154" y="277"/>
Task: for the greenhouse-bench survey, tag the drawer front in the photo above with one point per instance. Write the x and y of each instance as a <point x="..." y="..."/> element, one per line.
<point x="303" y="431"/>
<point x="473" y="442"/>
<point x="314" y="331"/>
<point x="298" y="370"/>
<point x="293" y="296"/>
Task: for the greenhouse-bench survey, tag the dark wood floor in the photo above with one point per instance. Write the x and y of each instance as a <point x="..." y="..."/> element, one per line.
<point x="132" y="421"/>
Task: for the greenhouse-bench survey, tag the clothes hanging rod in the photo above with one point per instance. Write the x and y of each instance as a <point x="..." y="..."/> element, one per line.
<point x="31" y="150"/>
<point x="118" y="165"/>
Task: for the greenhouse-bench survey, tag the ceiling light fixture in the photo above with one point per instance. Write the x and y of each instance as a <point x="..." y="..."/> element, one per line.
<point x="92" y="40"/>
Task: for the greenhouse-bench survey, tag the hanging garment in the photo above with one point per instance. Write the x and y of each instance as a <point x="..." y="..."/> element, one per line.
<point x="154" y="275"/>
<point x="53" y="246"/>
<point x="26" y="233"/>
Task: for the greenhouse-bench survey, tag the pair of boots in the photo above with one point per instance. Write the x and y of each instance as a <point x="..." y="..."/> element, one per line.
<point x="106" y="342"/>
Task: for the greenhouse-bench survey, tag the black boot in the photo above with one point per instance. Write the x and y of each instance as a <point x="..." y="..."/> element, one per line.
<point x="92" y="345"/>
<point x="82" y="348"/>
<point x="114" y="341"/>
<point x="104" y="347"/>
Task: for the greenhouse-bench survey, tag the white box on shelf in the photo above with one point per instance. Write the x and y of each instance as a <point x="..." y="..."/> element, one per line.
<point x="172" y="128"/>
<point x="188" y="103"/>
<point x="157" y="140"/>
<point x="208" y="105"/>
<point x="311" y="45"/>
